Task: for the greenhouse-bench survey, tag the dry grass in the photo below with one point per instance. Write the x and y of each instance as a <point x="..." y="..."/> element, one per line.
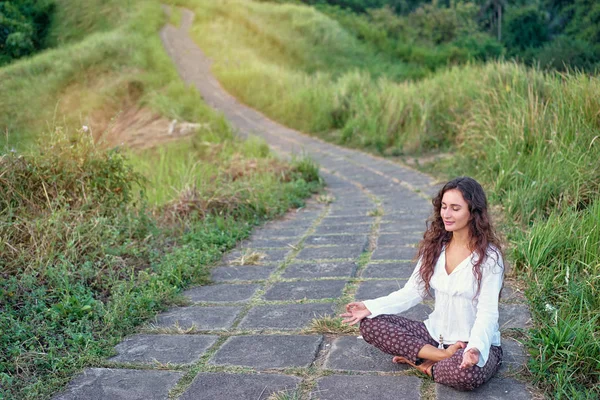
<point x="325" y="199"/>
<point x="174" y="329"/>
<point x="332" y="325"/>
<point x="249" y="258"/>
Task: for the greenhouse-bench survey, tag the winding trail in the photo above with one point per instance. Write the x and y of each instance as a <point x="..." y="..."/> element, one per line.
<point x="247" y="335"/>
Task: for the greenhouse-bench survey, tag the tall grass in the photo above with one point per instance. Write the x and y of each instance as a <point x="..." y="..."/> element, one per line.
<point x="531" y="138"/>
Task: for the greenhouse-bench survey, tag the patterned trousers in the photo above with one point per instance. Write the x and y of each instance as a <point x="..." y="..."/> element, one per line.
<point x="400" y="336"/>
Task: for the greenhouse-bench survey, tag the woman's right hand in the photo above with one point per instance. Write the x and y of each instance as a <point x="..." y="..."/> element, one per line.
<point x="355" y="312"/>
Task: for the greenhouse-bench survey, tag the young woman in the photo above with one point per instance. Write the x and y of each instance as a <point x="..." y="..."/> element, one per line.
<point x="460" y="260"/>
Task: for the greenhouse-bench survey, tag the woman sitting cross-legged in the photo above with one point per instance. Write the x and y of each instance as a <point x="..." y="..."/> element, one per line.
<point x="460" y="260"/>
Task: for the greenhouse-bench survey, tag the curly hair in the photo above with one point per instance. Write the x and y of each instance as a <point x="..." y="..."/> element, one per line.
<point x="482" y="233"/>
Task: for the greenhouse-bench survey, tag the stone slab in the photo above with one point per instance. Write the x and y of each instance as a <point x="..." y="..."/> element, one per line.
<point x="295" y="222"/>
<point x="400" y="270"/>
<point x="397" y="227"/>
<point x="361" y="387"/>
<point x="350" y="211"/>
<point x="175" y="349"/>
<point x="404" y="216"/>
<point x="512" y="294"/>
<point x="397" y="239"/>
<point x="337" y="229"/>
<point x="268" y="351"/>
<point x="271" y="243"/>
<point x="321" y="269"/>
<point x="394" y="253"/>
<point x="222" y="292"/>
<point x="305" y="290"/>
<point x="350" y="353"/>
<point x="496" y="388"/>
<point x="120" y="384"/>
<point x="266" y="233"/>
<point x="215" y="386"/>
<point x="514" y="316"/>
<point x="203" y="318"/>
<point x="336" y="252"/>
<point x="514" y="355"/>
<point x="241" y="273"/>
<point x="319" y="240"/>
<point x="353" y="202"/>
<point x="308" y="214"/>
<point x="288" y="316"/>
<point x="349" y="220"/>
<point x="374" y="289"/>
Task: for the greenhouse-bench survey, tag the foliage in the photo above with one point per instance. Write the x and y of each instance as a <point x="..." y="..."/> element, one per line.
<point x="565" y="53"/>
<point x="430" y="37"/>
<point x="434" y="34"/>
<point x="525" y="28"/>
<point x="24" y="26"/>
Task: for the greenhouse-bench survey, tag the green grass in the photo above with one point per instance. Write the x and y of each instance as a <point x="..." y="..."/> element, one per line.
<point x="530" y="137"/>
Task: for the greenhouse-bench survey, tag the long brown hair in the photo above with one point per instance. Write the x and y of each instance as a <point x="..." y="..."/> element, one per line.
<point x="481" y="231"/>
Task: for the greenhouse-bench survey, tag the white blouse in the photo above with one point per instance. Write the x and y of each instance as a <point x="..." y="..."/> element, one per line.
<point x="457" y="316"/>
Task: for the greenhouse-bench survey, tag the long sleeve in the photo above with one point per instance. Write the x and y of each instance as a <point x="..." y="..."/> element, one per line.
<point x="486" y="319"/>
<point x="400" y="300"/>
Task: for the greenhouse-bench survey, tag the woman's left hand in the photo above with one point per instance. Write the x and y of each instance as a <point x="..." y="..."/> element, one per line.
<point x="470" y="358"/>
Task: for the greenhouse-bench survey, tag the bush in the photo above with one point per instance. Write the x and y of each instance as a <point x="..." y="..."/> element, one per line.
<point x="565" y="53"/>
<point x="480" y="46"/>
<point x="524" y="28"/>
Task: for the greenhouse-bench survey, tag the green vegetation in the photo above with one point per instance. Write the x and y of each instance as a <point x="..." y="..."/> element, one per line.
<point x="95" y="241"/>
<point x="23" y="27"/>
<point x="530" y="136"/>
<point x="554" y="34"/>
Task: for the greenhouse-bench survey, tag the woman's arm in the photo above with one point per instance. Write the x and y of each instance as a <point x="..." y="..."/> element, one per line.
<point x="486" y="320"/>
<point x="401" y="300"/>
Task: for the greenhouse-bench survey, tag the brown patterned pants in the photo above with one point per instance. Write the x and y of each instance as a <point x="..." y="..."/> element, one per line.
<point x="400" y="336"/>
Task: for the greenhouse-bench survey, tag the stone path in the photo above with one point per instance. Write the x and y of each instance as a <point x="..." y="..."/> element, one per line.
<point x="249" y="334"/>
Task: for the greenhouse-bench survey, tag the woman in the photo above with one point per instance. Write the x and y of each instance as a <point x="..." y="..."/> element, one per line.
<point x="460" y="260"/>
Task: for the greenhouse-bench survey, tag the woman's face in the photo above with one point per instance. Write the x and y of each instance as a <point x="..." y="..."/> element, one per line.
<point x="455" y="211"/>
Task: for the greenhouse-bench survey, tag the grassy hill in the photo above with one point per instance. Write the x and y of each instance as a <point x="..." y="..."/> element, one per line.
<point x="530" y="136"/>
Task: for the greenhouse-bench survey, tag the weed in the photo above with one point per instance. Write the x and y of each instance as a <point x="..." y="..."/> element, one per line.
<point x="249" y="258"/>
<point x="285" y="395"/>
<point x="377" y="212"/>
<point x="325" y="199"/>
<point x="329" y="324"/>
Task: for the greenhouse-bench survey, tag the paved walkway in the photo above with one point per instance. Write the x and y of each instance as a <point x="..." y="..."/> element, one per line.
<point x="249" y="334"/>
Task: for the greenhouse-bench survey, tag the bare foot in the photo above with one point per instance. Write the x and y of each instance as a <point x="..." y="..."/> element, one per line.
<point x="402" y="360"/>
<point x="426" y="366"/>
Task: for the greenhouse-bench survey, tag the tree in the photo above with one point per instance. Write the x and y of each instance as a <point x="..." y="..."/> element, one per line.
<point x="493" y="9"/>
<point x="23" y="26"/>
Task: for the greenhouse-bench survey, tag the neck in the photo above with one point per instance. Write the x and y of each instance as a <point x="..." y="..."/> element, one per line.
<point x="461" y="239"/>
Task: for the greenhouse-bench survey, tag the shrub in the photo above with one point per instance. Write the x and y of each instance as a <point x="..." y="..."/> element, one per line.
<point x="524" y="28"/>
<point x="565" y="53"/>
